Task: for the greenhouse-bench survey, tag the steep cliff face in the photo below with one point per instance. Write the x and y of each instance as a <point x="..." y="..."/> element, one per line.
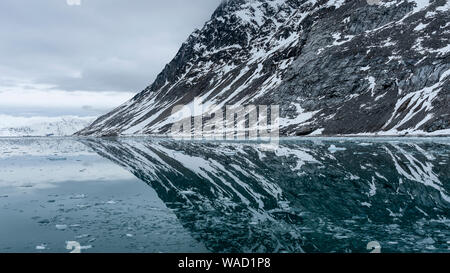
<point x="333" y="67"/>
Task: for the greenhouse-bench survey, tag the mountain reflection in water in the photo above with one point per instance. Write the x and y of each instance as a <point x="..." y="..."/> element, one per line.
<point x="313" y="195"/>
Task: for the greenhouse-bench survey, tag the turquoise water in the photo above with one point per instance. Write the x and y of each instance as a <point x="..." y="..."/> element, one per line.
<point x="162" y="195"/>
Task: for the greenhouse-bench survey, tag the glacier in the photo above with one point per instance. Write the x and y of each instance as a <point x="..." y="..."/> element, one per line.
<point x="14" y="126"/>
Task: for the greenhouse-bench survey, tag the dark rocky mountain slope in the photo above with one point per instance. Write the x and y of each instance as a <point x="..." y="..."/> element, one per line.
<point x="333" y="66"/>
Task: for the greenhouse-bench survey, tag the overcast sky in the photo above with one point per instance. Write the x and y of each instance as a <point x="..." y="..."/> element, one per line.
<point x="54" y="56"/>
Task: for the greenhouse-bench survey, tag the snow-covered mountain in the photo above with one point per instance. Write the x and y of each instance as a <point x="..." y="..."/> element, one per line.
<point x="333" y="67"/>
<point x="11" y="126"/>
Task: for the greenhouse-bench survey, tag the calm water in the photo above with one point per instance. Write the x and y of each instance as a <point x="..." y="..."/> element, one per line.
<point x="160" y="195"/>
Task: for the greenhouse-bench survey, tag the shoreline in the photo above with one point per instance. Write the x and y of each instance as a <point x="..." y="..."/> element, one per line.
<point x="185" y="138"/>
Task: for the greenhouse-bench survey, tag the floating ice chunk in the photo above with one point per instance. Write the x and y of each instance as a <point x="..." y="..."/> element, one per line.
<point x="41" y="247"/>
<point x="61" y="227"/>
<point x="78" y="196"/>
<point x="334" y="149"/>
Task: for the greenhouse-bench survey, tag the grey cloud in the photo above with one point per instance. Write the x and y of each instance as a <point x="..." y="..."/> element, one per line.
<point x="113" y="45"/>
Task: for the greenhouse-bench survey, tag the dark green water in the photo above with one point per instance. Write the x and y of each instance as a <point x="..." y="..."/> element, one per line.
<point x="161" y="195"/>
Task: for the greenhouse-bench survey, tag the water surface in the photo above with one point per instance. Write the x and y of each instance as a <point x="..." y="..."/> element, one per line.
<point x="162" y="195"/>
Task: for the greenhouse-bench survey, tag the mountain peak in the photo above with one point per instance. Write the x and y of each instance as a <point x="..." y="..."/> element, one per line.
<point x="333" y="66"/>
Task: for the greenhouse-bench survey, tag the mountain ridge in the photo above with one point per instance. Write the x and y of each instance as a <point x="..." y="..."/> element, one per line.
<point x="334" y="67"/>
